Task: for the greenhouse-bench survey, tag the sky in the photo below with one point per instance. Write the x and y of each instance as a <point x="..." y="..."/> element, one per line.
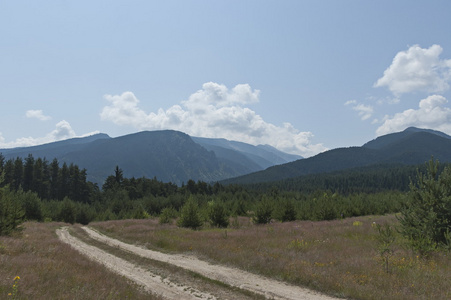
<point x="302" y="76"/>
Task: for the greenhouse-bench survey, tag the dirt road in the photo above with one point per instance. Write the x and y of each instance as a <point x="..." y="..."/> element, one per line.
<point x="270" y="288"/>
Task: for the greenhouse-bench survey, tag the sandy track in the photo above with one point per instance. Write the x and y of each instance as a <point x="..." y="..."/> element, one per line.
<point x="271" y="289"/>
<point x="151" y="282"/>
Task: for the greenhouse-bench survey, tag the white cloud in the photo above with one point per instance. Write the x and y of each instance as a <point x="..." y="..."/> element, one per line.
<point x="38" y="114"/>
<point x="215" y="112"/>
<point x="364" y="111"/>
<point x="417" y="69"/>
<point x="431" y="114"/>
<point x="62" y="131"/>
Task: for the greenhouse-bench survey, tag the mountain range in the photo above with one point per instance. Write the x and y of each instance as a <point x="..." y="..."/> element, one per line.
<point x="412" y="146"/>
<point x="170" y="156"/>
<point x="173" y="156"/>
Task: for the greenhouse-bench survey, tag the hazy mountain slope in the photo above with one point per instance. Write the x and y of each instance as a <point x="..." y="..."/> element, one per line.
<point x="410" y="147"/>
<point x="263" y="156"/>
<point x="285" y="157"/>
<point x="168" y="155"/>
<point x="55" y="149"/>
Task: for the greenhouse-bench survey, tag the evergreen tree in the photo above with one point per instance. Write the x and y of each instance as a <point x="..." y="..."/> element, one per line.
<point x="217" y="214"/>
<point x="54" y="179"/>
<point x="31" y="204"/>
<point x="8" y="172"/>
<point x="11" y="211"/>
<point x="2" y="162"/>
<point x="38" y="178"/>
<point x="18" y="174"/>
<point x="67" y="211"/>
<point x="118" y="175"/>
<point x="28" y="173"/>
<point x="285" y="211"/>
<point x="189" y="215"/>
<point x="426" y="217"/>
<point x="263" y="211"/>
<point x="63" y="182"/>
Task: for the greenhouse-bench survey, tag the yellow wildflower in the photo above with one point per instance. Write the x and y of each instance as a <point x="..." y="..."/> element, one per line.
<point x="16" y="278"/>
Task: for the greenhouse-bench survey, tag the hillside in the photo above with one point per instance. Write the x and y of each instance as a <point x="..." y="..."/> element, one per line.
<point x="168" y="155"/>
<point x="412" y="146"/>
<point x="258" y="157"/>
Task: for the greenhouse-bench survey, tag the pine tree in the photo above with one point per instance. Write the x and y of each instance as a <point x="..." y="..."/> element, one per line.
<point x="189" y="215"/>
<point x="11" y="212"/>
<point x="426" y="218"/>
<point x="217" y="214"/>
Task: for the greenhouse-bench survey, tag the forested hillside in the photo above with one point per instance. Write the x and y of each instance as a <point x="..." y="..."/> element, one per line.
<point x="411" y="147"/>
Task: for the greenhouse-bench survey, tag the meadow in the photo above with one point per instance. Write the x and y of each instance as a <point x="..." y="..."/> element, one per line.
<point x="49" y="269"/>
<point x="342" y="258"/>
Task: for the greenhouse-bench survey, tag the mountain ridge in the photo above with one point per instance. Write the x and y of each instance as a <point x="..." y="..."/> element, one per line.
<point x="168" y="155"/>
<point x="409" y="147"/>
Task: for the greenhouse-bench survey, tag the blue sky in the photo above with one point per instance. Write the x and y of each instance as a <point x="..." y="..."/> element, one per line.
<point x="303" y="76"/>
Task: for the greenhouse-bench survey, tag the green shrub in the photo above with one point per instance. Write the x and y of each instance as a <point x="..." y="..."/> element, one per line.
<point x="67" y="211"/>
<point x="167" y="215"/>
<point x="32" y="205"/>
<point x="263" y="212"/>
<point x="285" y="211"/>
<point x="217" y="214"/>
<point x="189" y="215"/>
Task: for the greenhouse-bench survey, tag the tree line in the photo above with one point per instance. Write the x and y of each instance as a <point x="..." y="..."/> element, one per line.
<point x="48" y="180"/>
<point x="34" y="189"/>
<point x="47" y="191"/>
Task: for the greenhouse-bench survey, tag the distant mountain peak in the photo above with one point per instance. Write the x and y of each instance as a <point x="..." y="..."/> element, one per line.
<point x="439" y="133"/>
<point x="388" y="139"/>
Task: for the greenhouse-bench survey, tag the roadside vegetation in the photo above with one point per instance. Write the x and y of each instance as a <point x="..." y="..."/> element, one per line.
<point x="36" y="265"/>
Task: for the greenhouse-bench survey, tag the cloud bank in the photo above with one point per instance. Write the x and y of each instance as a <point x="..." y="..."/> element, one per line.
<point x="62" y="131"/>
<point x="214" y="112"/>
<point x="431" y="114"/>
<point x="417" y="69"/>
<point x="414" y="70"/>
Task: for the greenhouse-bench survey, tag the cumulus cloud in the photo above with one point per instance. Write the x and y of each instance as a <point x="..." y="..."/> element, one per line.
<point x="214" y="111"/>
<point x="431" y="113"/>
<point x="63" y="130"/>
<point x="417" y="69"/>
<point x="364" y="111"/>
<point x="38" y="114"/>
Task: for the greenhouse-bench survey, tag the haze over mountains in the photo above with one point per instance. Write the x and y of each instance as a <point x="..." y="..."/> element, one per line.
<point x="170" y="156"/>
<point x="173" y="156"/>
<point x="412" y="146"/>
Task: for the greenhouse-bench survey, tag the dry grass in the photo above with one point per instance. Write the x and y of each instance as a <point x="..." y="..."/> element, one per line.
<point x="339" y="257"/>
<point x="49" y="269"/>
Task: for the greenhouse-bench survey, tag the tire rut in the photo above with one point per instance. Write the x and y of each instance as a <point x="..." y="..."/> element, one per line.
<point x="150" y="282"/>
<point x="269" y="288"/>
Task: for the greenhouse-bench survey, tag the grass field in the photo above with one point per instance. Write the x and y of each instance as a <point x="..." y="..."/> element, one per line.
<point x="49" y="269"/>
<point x="340" y="258"/>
